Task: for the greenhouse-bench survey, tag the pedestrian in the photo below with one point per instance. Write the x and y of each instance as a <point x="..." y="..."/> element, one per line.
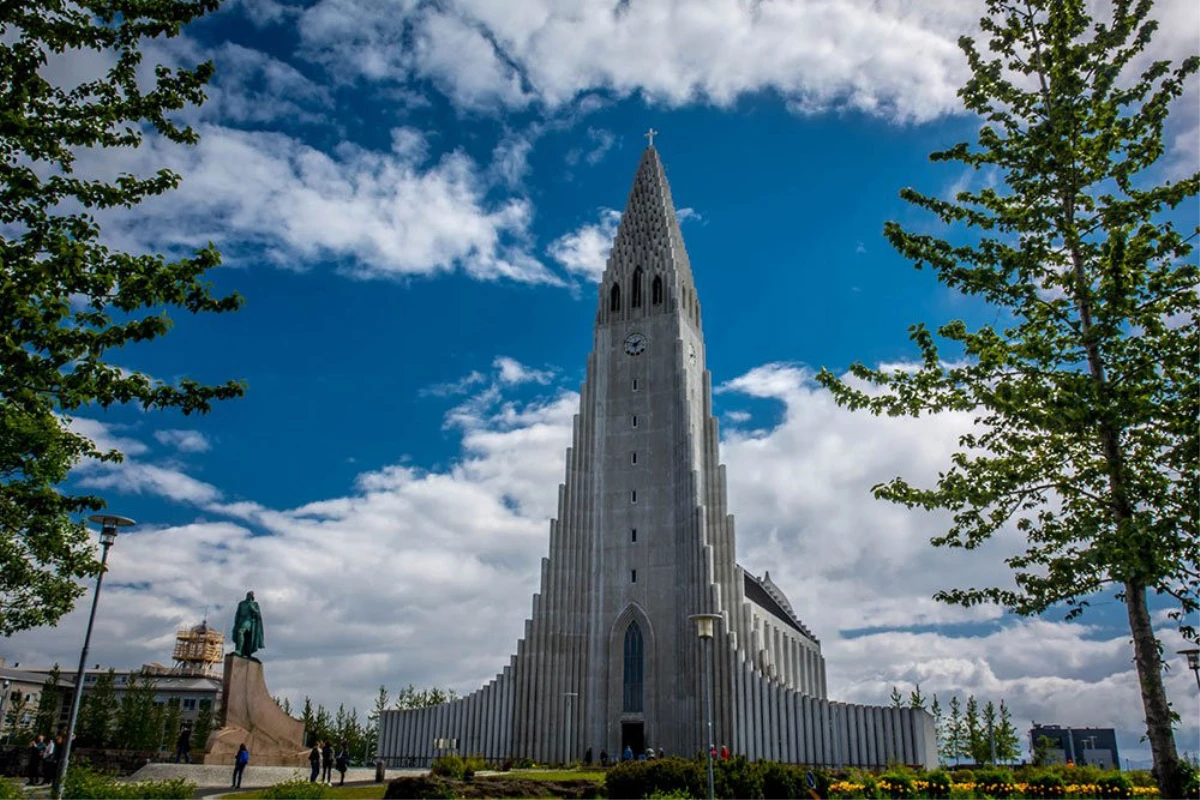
<point x="183" y="745"/>
<point x="49" y="760"/>
<point x="604" y="758"/>
<point x="724" y="753"/>
<point x="627" y="753"/>
<point x="587" y="757"/>
<point x="343" y="761"/>
<point x="662" y="753"/>
<point x="33" y="770"/>
<point x="239" y="765"/>
<point x="314" y="761"/>
<point x="327" y="764"/>
<point x="650" y="754"/>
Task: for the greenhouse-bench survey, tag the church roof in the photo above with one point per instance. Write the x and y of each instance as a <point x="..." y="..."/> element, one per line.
<point x="649" y="235"/>
<point x="763" y="596"/>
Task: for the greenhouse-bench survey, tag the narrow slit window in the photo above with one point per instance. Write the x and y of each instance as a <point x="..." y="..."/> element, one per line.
<point x="635" y="384"/>
<point x="656" y="291"/>
<point x="633" y="495"/>
<point x="633" y="534"/>
<point x="633" y="576"/>
<point x="633" y="457"/>
<point x="614" y="298"/>
<point x="635" y="420"/>
<point x="635" y="290"/>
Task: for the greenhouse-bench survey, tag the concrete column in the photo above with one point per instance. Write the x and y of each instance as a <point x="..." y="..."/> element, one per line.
<point x="808" y="752"/>
<point x="792" y="755"/>
<point x="906" y="728"/>
<point x="889" y="752"/>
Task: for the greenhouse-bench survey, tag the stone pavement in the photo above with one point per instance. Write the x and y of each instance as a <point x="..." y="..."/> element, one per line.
<point x="215" y="779"/>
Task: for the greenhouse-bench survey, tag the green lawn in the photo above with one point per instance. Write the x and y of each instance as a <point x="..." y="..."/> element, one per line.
<point x="375" y="791"/>
<point x="596" y="775"/>
<point x="372" y="792"/>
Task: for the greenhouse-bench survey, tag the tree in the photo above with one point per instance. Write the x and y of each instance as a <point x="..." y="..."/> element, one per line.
<point x="66" y="299"/>
<point x="308" y="718"/>
<point x="974" y="734"/>
<point x="916" y="699"/>
<point x="1042" y="750"/>
<point x="955" y="732"/>
<point x="412" y="697"/>
<point x="897" y="698"/>
<point x="1085" y="397"/>
<point x="16" y="719"/>
<point x="322" y="724"/>
<point x="49" y="706"/>
<point x="96" y="712"/>
<point x="939" y="729"/>
<point x="988" y="723"/>
<point x="138" y="724"/>
<point x="1008" y="741"/>
<point x="203" y="726"/>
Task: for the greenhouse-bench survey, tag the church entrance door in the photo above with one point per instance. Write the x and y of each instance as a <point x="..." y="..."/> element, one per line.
<point x="633" y="736"/>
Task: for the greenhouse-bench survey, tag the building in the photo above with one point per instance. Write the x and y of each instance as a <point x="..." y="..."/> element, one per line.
<point x="1096" y="747"/>
<point x="644" y="540"/>
<point x="193" y="683"/>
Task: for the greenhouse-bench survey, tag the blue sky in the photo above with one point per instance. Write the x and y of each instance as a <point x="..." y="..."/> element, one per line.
<point x="415" y="201"/>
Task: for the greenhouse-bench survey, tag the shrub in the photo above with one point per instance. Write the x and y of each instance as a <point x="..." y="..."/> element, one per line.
<point x="938" y="784"/>
<point x="84" y="782"/>
<point x="782" y="780"/>
<point x="963" y="775"/>
<point x="11" y="790"/>
<point x="737" y="777"/>
<point x="1114" y="784"/>
<point x="674" y="794"/>
<point x="643" y="778"/>
<point x="297" y="789"/>
<point x="449" y="765"/>
<point x="994" y="782"/>
<point x="1048" y="784"/>
<point x="897" y="783"/>
<point x="473" y="764"/>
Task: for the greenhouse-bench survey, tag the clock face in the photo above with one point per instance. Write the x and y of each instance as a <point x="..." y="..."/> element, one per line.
<point x="635" y="343"/>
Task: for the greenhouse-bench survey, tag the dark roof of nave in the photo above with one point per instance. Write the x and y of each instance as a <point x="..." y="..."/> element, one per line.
<point x="759" y="595"/>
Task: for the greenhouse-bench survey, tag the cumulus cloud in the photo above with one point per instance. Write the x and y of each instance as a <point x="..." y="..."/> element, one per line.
<point x="183" y="440"/>
<point x="584" y="251"/>
<point x="425" y="576"/>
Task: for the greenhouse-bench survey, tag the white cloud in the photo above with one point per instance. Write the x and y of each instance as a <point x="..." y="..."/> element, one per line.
<point x="382" y="214"/>
<point x="106" y="437"/>
<point x="134" y="477"/>
<point x="584" y="251"/>
<point x="183" y="440"/>
<point x="513" y="372"/>
<point x="425" y="576"/>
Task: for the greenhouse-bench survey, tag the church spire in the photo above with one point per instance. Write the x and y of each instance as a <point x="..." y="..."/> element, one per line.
<point x="648" y="236"/>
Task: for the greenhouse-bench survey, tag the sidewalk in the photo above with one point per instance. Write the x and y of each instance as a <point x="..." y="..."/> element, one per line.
<point x="213" y="780"/>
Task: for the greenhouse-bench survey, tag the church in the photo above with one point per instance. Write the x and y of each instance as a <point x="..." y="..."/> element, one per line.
<point x="610" y="657"/>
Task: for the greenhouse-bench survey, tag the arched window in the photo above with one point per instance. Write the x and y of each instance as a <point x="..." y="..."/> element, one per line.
<point x="635" y="291"/>
<point x="656" y="296"/>
<point x="632" y="700"/>
<point x="614" y="298"/>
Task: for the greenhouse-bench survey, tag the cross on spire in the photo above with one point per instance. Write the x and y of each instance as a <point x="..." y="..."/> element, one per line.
<point x="650" y="134"/>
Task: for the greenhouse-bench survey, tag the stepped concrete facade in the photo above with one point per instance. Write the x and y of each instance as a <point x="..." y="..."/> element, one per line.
<point x="643" y="540"/>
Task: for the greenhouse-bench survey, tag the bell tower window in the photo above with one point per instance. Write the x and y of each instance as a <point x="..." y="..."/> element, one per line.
<point x="635" y="290"/>
<point x="614" y="298"/>
<point x="656" y="291"/>
<point x="632" y="696"/>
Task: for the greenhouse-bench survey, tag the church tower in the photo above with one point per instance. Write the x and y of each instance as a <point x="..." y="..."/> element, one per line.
<point x="643" y="539"/>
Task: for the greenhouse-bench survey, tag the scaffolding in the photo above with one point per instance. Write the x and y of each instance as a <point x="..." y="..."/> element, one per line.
<point x="199" y="650"/>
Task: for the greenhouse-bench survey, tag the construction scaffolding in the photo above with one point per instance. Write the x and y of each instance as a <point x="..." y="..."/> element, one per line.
<point x="199" y="650"/>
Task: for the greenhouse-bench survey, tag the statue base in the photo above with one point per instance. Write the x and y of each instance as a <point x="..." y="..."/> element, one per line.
<point x="253" y="718"/>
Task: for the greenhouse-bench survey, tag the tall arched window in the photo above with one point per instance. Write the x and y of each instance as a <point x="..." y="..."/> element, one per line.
<point x="614" y="298"/>
<point x="635" y="291"/>
<point x="656" y="296"/>
<point x="632" y="700"/>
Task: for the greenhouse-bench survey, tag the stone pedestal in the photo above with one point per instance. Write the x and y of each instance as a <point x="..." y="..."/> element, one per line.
<point x="253" y="718"/>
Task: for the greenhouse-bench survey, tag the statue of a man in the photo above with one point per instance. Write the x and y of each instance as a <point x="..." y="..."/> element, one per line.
<point x="247" y="628"/>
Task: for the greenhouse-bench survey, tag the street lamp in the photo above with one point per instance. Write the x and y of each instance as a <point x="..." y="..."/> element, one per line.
<point x="567" y="739"/>
<point x="1193" y="659"/>
<point x="4" y="701"/>
<point x="109" y="524"/>
<point x="704" y="629"/>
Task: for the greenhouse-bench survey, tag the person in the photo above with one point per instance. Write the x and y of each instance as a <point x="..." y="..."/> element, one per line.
<point x="33" y="770"/>
<point x="314" y="761"/>
<point x="239" y="765"/>
<point x="662" y="753"/>
<point x="650" y="754"/>
<point x="604" y="758"/>
<point x="587" y="757"/>
<point x="49" y="760"/>
<point x="724" y="753"/>
<point x="627" y="753"/>
<point x="183" y="745"/>
<point x="327" y="764"/>
<point x="343" y="761"/>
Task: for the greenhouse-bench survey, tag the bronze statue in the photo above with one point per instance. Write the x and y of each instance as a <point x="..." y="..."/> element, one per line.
<point x="247" y="628"/>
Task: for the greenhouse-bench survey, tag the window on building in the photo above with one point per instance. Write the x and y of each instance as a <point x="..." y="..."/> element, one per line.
<point x="633" y="534"/>
<point x="633" y="457"/>
<point x="635" y="384"/>
<point x="632" y="700"/>
<point x="614" y="298"/>
<point x="656" y="291"/>
<point x="633" y="576"/>
<point x="205" y="704"/>
<point x="635" y="290"/>
<point x="635" y="420"/>
<point x="633" y="495"/>
<point x="189" y="704"/>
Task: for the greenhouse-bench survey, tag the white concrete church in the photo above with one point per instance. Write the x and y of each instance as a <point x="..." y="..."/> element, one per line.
<point x="644" y="540"/>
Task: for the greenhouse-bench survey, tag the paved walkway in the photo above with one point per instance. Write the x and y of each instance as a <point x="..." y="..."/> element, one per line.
<point x="215" y="779"/>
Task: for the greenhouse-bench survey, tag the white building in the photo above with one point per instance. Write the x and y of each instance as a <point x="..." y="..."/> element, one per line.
<point x="643" y="540"/>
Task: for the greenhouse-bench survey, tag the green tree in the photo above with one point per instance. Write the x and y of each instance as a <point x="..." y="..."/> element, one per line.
<point x="916" y="699"/>
<point x="939" y="728"/>
<point x="323" y="724"/>
<point x="1085" y="394"/>
<point x="412" y="697"/>
<point x="16" y="719"/>
<point x="1008" y="741"/>
<point x="974" y="734"/>
<point x="381" y="705"/>
<point x="138" y="722"/>
<point x="49" y="707"/>
<point x="67" y="301"/>
<point x="896" y="698"/>
<point x="202" y="727"/>
<point x="988" y="723"/>
<point x="97" y="711"/>
<point x="172" y="719"/>
<point x="1042" y="750"/>
<point x="955" y="732"/>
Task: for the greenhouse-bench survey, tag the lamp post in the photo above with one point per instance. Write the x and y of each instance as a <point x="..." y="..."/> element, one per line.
<point x="109" y="524"/>
<point x="3" y="702"/>
<point x="567" y="738"/>
<point x="704" y="629"/>
<point x="1193" y="661"/>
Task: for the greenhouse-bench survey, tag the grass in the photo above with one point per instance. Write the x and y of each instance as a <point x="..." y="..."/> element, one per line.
<point x="373" y="791"/>
<point x="553" y="774"/>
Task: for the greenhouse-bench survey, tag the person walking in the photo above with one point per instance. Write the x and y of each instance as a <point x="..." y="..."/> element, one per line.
<point x="33" y="770"/>
<point x="314" y="761"/>
<point x="327" y="764"/>
<point x="239" y="765"/>
<point x="49" y="760"/>
<point x="183" y="745"/>
<point x="343" y="761"/>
